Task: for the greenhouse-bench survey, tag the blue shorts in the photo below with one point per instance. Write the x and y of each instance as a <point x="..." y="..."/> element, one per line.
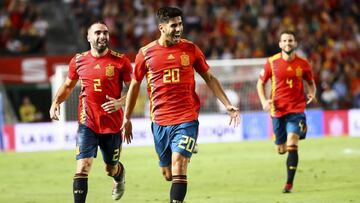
<point x="179" y="138"/>
<point x="290" y="123"/>
<point x="87" y="142"/>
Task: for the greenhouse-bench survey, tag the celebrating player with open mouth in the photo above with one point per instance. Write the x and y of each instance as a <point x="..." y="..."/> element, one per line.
<point x="169" y="64"/>
<point x="102" y="73"/>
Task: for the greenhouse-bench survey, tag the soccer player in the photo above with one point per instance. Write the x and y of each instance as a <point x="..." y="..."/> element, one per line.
<point x="287" y="102"/>
<point x="102" y="73"/>
<point x="169" y="64"/>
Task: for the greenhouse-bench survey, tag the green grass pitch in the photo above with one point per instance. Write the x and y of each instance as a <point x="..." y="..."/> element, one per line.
<point x="246" y="172"/>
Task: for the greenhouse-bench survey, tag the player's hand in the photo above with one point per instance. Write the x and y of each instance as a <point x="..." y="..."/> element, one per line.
<point x="311" y="98"/>
<point x="126" y="130"/>
<point x="234" y="113"/>
<point x="112" y="105"/>
<point x="122" y="101"/>
<point x="54" y="111"/>
<point x="266" y="104"/>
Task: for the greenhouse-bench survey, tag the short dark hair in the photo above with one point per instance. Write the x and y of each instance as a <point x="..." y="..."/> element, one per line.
<point x="165" y="13"/>
<point x="96" y="22"/>
<point x="289" y="32"/>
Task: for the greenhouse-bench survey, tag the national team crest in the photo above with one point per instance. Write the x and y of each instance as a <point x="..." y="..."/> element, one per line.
<point x="109" y="71"/>
<point x="298" y="71"/>
<point x="185" y="60"/>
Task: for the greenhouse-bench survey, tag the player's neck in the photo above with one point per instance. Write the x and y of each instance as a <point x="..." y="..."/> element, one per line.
<point x="95" y="53"/>
<point x="288" y="57"/>
<point x="164" y="42"/>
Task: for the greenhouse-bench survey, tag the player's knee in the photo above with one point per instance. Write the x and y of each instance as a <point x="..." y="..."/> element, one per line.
<point x="83" y="167"/>
<point x="180" y="165"/>
<point x="167" y="174"/>
<point x="167" y="177"/>
<point x="281" y="149"/>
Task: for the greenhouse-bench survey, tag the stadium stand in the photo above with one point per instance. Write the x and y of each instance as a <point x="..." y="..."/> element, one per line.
<point x="228" y="29"/>
<point x="328" y="31"/>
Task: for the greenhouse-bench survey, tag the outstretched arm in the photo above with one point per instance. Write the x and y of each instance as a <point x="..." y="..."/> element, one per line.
<point x="129" y="107"/>
<point x="62" y="94"/>
<point x="266" y="103"/>
<point x="311" y="92"/>
<point x="215" y="86"/>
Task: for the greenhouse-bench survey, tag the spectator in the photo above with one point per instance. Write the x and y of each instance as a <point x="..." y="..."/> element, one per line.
<point x="329" y="30"/>
<point x="23" y="30"/>
<point x="329" y="97"/>
<point x="28" y="112"/>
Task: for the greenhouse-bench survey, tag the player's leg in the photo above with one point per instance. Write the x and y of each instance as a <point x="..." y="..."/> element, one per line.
<point x="162" y="148"/>
<point x="86" y="149"/>
<point x="279" y="129"/>
<point x="110" y="146"/>
<point x="182" y="144"/>
<point x="179" y="178"/>
<point x="292" y="160"/>
<point x="296" y="128"/>
<point x="80" y="182"/>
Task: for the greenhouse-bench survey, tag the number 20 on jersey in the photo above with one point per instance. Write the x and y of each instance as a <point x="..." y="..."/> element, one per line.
<point x="171" y="75"/>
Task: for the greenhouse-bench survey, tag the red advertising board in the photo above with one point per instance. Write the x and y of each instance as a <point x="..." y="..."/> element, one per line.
<point x="9" y="137"/>
<point x="336" y="123"/>
<point x="29" y="69"/>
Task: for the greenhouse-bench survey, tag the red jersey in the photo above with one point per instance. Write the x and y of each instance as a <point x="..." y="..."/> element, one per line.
<point x="287" y="88"/>
<point x="170" y="77"/>
<point x="99" y="76"/>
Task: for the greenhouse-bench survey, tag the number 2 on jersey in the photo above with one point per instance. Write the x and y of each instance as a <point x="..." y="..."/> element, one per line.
<point x="171" y="75"/>
<point x="97" y="85"/>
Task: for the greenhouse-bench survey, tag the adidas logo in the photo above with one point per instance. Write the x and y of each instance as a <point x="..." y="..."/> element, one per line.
<point x="289" y="68"/>
<point x="97" y="66"/>
<point x="170" y="57"/>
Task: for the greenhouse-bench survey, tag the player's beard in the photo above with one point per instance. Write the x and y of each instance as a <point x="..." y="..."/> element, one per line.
<point x="100" y="48"/>
<point x="290" y="51"/>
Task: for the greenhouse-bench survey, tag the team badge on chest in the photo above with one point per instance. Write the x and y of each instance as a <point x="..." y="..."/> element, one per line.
<point x="109" y="71"/>
<point x="185" y="60"/>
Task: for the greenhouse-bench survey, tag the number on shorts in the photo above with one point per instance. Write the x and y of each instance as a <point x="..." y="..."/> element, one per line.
<point x="302" y="126"/>
<point x="187" y="143"/>
<point x="116" y="154"/>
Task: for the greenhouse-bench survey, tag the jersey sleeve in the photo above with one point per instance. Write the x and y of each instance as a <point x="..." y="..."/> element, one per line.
<point x="308" y="75"/>
<point x="127" y="70"/>
<point x="72" y="74"/>
<point x="140" y="67"/>
<point x="200" y="64"/>
<point x="265" y="73"/>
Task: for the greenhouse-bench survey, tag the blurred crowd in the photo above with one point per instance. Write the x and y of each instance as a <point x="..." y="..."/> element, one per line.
<point x="328" y="33"/>
<point x="22" y="28"/>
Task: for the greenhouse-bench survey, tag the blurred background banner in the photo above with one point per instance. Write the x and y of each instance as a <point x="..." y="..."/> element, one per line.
<point x="38" y="39"/>
<point x="314" y="121"/>
<point x="336" y="123"/>
<point x="29" y="69"/>
<point x="1" y="123"/>
<point x="256" y="125"/>
<point x="214" y="128"/>
<point x="354" y="122"/>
